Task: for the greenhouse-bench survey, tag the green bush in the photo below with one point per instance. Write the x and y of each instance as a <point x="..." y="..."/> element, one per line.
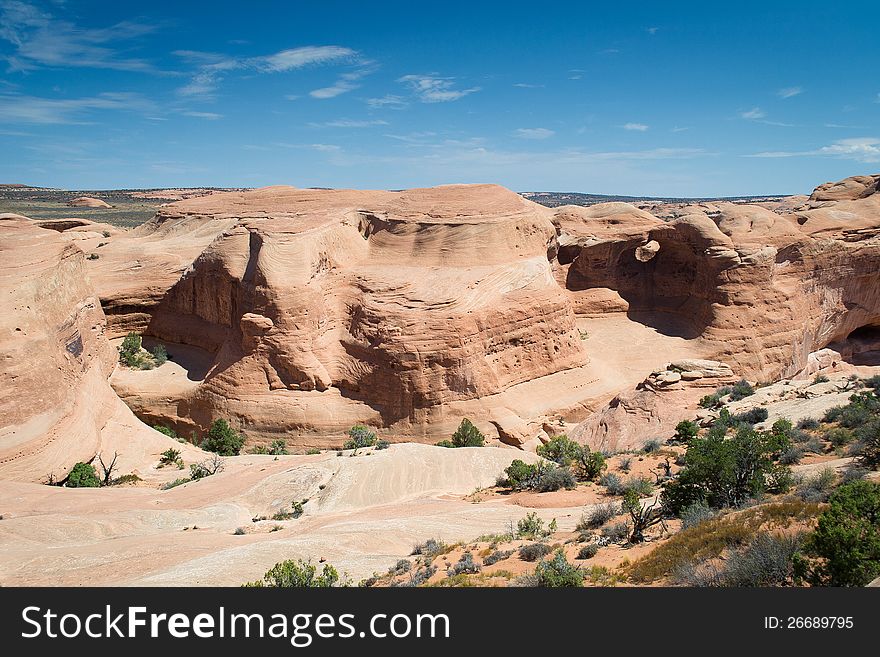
<point x="591" y="464"/>
<point x="533" y="551"/>
<point x="588" y="551"/>
<point x="598" y="516"/>
<point x="160" y="355"/>
<point x="711" y="401"/>
<point x="561" y="450"/>
<point x="360" y="436"/>
<point x="130" y="350"/>
<point x="278" y="447"/>
<point x="223" y="439"/>
<point x="844" y="550"/>
<point x="808" y="423"/>
<point x="741" y="390"/>
<point x="553" y="479"/>
<point x="726" y="472"/>
<point x="297" y="574"/>
<point x="686" y="430"/>
<point x="752" y="416"/>
<point x="171" y="433"/>
<point x="530" y="526"/>
<point x="382" y="444"/>
<point x="651" y="446"/>
<point x="170" y="456"/>
<point x="467" y="435"/>
<point x="83" y="475"/>
<point x="839" y="436"/>
<point x="558" y="572"/>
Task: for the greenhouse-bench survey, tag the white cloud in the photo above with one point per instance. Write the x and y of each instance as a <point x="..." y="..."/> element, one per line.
<point x="753" y="114"/>
<point x="789" y="92"/>
<point x="213" y="66"/>
<point x="348" y="123"/>
<point x="534" y="133"/>
<point x="860" y="149"/>
<point x="526" y="85"/>
<point x="16" y="108"/>
<point x="346" y="82"/>
<point x="210" y="116"/>
<point x="40" y="39"/>
<point x="434" y="89"/>
<point x="389" y="101"/>
<point x="653" y="30"/>
<point x="638" y="127"/>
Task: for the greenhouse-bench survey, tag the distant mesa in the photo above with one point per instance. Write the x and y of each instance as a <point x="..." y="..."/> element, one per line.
<point x="88" y="202"/>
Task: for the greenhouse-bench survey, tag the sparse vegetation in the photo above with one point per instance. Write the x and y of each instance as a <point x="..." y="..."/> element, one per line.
<point x="83" y="475"/>
<point x="588" y="551"/>
<point x="741" y="390"/>
<point x="845" y="548"/>
<point x="725" y="472"/>
<point x="223" y="439"/>
<point x="558" y="572"/>
<point x="686" y="430"/>
<point x="561" y="450"/>
<point x="467" y="435"/>
<point x="360" y="436"/>
<point x="171" y="456"/>
<point x="297" y="574"/>
<point x="533" y="551"/>
<point x="598" y="516"/>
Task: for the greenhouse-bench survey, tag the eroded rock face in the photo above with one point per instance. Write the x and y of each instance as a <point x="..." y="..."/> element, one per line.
<point x="88" y="202"/>
<point x="56" y="406"/>
<point x="404" y="303"/>
<point x="316" y="309"/>
<point x="767" y="288"/>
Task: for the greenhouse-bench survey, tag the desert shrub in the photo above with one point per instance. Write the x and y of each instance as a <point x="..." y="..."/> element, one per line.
<point x="685" y="430"/>
<point x="160" y="354"/>
<point x="430" y="548"/>
<point x="298" y="574"/>
<point x="464" y="566"/>
<point x="741" y="390"/>
<point x="171" y="433"/>
<point x="297" y="508"/>
<point x="598" y="516"/>
<point x="360" y="436"/>
<point x="312" y="451"/>
<point x="726" y="472"/>
<point x="198" y="471"/>
<point x="625" y="464"/>
<point x="239" y="531"/>
<point x="694" y="514"/>
<point x="590" y="464"/>
<point x="530" y="526"/>
<point x="222" y="439"/>
<point x="853" y="473"/>
<point x="401" y="567"/>
<point x="105" y="233"/>
<point x="638" y="485"/>
<point x="278" y="447"/>
<point x="419" y="576"/>
<point x="651" y="446"/>
<point x="445" y="443"/>
<point x="552" y="479"/>
<point x="519" y="475"/>
<point x="467" y="435"/>
<point x="769" y="560"/>
<point x="124" y="479"/>
<point x="561" y="450"/>
<point x="844" y="550"/>
<point x="791" y="456"/>
<point x="616" y="533"/>
<point x="752" y="416"/>
<point x="175" y="483"/>
<point x="872" y="382"/>
<point x="496" y="556"/>
<point x="808" y="423"/>
<point x="557" y="572"/>
<point x="814" y="446"/>
<point x="869" y="451"/>
<point x="588" y="551"/>
<point x="818" y="487"/>
<point x="711" y="401"/>
<point x="382" y="444"/>
<point x="83" y="475"/>
<point x="130" y="350"/>
<point x="170" y="456"/>
<point x="820" y="378"/>
<point x="839" y="436"/>
<point x="613" y="483"/>
<point x="533" y="551"/>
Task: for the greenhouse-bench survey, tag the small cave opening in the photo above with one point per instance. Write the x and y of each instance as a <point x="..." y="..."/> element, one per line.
<point x="861" y="346"/>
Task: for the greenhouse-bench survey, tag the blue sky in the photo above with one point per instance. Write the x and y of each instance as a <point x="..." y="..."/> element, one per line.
<point x="653" y="98"/>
